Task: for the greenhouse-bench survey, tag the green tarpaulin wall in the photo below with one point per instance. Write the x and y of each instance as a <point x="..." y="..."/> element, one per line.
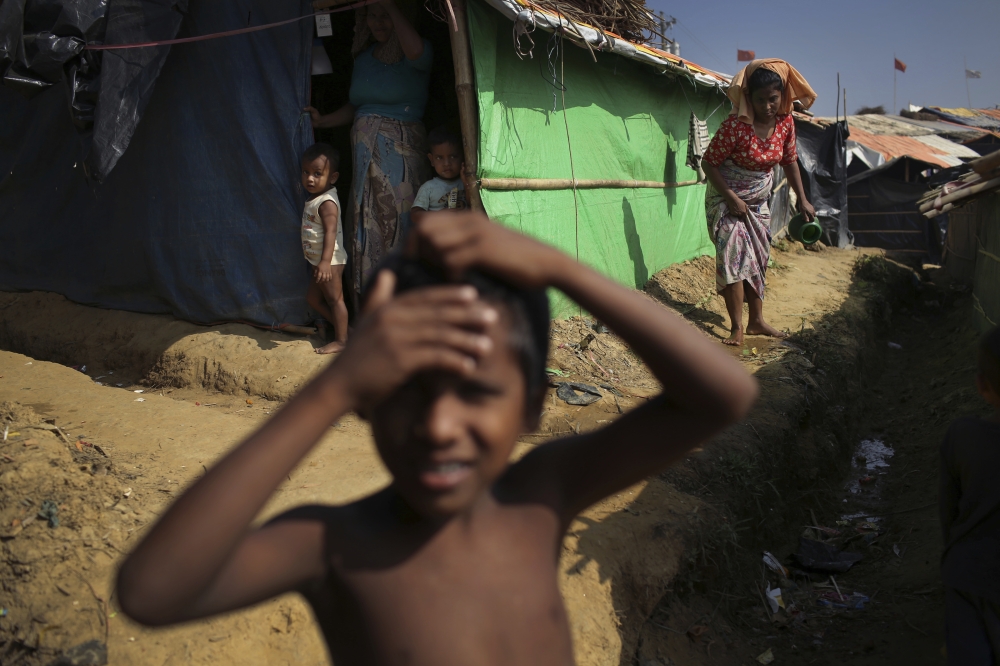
<point x="626" y="121"/>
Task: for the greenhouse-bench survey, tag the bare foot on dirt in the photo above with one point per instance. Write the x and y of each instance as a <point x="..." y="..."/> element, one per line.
<point x="763" y="328"/>
<point x="735" y="338"/>
<point x="331" y="348"/>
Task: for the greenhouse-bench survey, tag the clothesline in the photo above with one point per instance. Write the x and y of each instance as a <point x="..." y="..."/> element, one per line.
<point x="227" y="33"/>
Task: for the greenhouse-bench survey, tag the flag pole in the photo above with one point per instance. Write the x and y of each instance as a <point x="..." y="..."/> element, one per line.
<point x="968" y="95"/>
<point x="894" y="82"/>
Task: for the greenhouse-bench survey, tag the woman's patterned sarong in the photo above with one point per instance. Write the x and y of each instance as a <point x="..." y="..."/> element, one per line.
<point x="742" y="247"/>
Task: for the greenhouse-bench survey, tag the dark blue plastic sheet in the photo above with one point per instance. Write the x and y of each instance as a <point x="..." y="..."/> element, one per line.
<point x="824" y="177"/>
<point x="200" y="217"/>
<point x="885" y="212"/>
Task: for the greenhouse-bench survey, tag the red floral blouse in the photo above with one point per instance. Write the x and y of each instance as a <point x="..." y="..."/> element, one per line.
<point x="736" y="140"/>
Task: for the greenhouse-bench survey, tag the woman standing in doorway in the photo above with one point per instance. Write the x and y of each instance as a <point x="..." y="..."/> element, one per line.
<point x="389" y="87"/>
<point x="739" y="164"/>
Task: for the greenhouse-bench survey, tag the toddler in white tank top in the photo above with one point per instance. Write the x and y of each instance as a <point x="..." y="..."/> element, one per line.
<point x="323" y="241"/>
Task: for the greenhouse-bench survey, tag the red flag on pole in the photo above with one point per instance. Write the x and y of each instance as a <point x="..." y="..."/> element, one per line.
<point x="744" y="56"/>
<point x="899" y="64"/>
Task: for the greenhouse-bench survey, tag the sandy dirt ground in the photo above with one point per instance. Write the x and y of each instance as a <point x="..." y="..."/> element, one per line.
<point x="134" y="430"/>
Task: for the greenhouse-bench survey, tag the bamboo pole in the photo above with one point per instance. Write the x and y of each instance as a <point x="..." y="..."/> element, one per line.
<point x="963" y="193"/>
<point x="986" y="163"/>
<point x="468" y="111"/>
<point x="510" y="184"/>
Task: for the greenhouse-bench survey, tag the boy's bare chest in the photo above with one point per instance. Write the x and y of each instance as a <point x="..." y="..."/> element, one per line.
<point x="485" y="596"/>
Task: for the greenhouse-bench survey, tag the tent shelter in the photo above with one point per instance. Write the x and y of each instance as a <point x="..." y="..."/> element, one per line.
<point x="199" y="218"/>
<point x="883" y="209"/>
<point x="971" y="202"/>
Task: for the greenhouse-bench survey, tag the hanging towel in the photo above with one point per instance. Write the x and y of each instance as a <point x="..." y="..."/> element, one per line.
<point x="697" y="144"/>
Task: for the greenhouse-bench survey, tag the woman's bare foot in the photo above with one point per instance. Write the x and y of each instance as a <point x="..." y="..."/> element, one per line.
<point x="735" y="338"/>
<point x="331" y="348"/>
<point x="763" y="328"/>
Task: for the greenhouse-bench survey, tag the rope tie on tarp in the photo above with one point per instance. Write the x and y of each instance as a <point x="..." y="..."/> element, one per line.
<point x="227" y="33"/>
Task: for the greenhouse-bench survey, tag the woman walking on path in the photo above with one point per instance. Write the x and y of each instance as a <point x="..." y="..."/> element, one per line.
<point x="389" y="88"/>
<point x="739" y="164"/>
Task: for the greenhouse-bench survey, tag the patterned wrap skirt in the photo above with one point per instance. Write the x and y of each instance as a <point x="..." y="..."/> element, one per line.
<point x="742" y="247"/>
<point x="390" y="165"/>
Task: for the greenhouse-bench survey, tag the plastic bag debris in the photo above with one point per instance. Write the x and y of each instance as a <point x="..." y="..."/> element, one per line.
<point x="91" y="653"/>
<point x="766" y="657"/>
<point x="774" y="599"/>
<point x="576" y="393"/>
<point x="774" y="564"/>
<point x="49" y="511"/>
<point x="854" y="601"/>
<point x="817" y="556"/>
<point x="140" y="400"/>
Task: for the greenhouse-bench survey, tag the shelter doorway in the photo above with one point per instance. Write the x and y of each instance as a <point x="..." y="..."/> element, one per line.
<point x="331" y="91"/>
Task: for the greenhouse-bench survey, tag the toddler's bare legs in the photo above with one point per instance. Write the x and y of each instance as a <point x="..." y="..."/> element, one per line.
<point x="327" y="298"/>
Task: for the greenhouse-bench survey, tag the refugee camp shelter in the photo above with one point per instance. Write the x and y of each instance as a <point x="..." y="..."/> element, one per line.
<point x="971" y="201"/>
<point x="579" y="139"/>
<point x="985" y="120"/>
<point x="876" y="138"/>
<point x="883" y="209"/>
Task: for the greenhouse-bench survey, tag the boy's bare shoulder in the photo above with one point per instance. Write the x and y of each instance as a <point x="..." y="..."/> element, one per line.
<point x="334" y="517"/>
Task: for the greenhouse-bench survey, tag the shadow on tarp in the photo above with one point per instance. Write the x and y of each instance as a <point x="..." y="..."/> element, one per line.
<point x="200" y="217"/>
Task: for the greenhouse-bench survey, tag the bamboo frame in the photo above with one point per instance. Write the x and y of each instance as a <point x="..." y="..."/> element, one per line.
<point x="468" y="110"/>
<point x="931" y="205"/>
<point x="512" y="184"/>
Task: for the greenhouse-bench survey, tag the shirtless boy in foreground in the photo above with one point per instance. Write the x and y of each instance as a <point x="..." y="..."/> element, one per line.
<point x="455" y="562"/>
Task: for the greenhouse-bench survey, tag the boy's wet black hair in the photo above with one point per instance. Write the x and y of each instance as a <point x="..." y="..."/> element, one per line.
<point x="325" y="150"/>
<point x="764" y="78"/>
<point x="528" y="310"/>
<point x="989" y="358"/>
<point x="442" y="134"/>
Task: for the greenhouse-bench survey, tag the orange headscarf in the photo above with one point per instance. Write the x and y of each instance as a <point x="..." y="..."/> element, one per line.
<point x="796" y="88"/>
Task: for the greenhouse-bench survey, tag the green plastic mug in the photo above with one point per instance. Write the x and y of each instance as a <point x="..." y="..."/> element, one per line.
<point x="804" y="232"/>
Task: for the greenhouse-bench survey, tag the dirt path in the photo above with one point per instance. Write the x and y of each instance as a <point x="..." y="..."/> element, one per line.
<point x="59" y="578"/>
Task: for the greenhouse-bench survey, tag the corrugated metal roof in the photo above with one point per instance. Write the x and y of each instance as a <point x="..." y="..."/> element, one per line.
<point x="883" y="125"/>
<point x="607" y="41"/>
<point x="879" y="125"/>
<point x="947" y="147"/>
<point x="891" y="125"/>
<point x="920" y="148"/>
<point x="993" y="113"/>
<point x="971" y="117"/>
<point x="948" y="130"/>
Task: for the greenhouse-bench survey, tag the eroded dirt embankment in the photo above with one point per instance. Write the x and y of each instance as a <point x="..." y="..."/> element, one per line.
<point x="158" y="350"/>
<point x="637" y="569"/>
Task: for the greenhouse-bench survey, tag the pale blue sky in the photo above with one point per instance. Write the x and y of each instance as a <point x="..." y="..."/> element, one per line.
<point x="857" y="38"/>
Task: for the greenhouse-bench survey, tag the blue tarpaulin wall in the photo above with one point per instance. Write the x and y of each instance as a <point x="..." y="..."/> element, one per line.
<point x="200" y="217"/>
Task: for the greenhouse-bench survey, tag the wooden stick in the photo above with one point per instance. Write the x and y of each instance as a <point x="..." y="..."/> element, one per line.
<point x="451" y="16"/>
<point x="986" y="163"/>
<point x="960" y="194"/>
<point x="510" y="184"/>
<point x="468" y="110"/>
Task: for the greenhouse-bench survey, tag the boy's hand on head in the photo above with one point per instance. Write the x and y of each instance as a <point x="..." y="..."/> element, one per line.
<point x="435" y="328"/>
<point x="460" y="241"/>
